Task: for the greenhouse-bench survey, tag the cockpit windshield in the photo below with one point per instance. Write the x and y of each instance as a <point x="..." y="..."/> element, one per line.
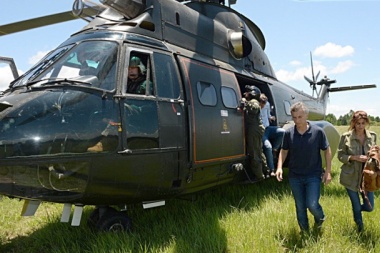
<point x="94" y="61"/>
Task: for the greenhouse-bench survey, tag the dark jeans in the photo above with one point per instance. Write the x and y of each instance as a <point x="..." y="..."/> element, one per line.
<point x="306" y="192"/>
<point x="357" y="207"/>
<point x="272" y="139"/>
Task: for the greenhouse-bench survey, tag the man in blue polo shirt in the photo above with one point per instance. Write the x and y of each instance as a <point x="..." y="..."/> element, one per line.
<point x="302" y="144"/>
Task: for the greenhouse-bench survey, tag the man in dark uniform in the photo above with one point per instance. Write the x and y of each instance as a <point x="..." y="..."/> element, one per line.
<point x="136" y="76"/>
<point x="254" y="129"/>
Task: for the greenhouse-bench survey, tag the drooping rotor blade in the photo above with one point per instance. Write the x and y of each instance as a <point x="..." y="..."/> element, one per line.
<point x="356" y="87"/>
<point x="36" y="22"/>
<point x="46" y="20"/>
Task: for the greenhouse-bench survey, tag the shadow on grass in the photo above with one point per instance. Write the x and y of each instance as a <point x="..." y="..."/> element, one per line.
<point x="294" y="240"/>
<point x="180" y="226"/>
<point x="367" y="239"/>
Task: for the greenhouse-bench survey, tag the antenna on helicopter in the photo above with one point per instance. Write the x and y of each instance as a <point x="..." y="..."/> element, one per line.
<point x="313" y="83"/>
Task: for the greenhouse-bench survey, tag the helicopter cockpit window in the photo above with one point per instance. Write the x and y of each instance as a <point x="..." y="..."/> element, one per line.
<point x="92" y="62"/>
<point x="40" y="66"/>
<point x="139" y="74"/>
<point x="229" y="97"/>
<point x="206" y="93"/>
<point x="166" y="76"/>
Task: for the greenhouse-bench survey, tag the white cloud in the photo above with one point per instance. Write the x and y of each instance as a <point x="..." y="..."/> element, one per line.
<point x="295" y="63"/>
<point x="331" y="50"/>
<point x="287" y="76"/>
<point x="38" y="56"/>
<point x="299" y="73"/>
<point x="342" y="67"/>
<point x="6" y="77"/>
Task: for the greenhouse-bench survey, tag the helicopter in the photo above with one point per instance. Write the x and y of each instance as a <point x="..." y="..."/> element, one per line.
<point x="182" y="135"/>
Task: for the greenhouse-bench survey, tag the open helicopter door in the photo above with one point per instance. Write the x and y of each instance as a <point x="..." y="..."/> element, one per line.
<point x="154" y="121"/>
<point x="216" y="127"/>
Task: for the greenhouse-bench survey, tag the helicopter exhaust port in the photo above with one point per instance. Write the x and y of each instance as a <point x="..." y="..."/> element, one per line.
<point x="129" y="8"/>
<point x="239" y="45"/>
<point x="86" y="10"/>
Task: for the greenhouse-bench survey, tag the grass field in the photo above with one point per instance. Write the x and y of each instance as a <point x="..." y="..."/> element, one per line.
<point x="235" y="218"/>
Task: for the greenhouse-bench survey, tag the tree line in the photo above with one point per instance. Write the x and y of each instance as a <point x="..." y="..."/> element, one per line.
<point x="344" y="120"/>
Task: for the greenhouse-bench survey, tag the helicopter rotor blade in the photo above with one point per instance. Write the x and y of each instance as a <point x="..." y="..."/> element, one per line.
<point x="312" y="67"/>
<point x="89" y="10"/>
<point x="356" y="87"/>
<point x="308" y="80"/>
<point x="36" y="22"/>
<point x="316" y="77"/>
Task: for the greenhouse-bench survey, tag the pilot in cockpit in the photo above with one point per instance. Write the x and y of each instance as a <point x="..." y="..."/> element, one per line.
<point x="136" y="76"/>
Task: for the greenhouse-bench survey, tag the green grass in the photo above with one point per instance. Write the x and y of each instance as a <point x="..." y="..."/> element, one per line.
<point x="233" y="218"/>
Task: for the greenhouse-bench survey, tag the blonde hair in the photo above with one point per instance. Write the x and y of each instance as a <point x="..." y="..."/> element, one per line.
<point x="299" y="106"/>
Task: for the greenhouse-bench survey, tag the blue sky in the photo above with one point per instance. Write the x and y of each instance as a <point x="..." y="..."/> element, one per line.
<point x="343" y="36"/>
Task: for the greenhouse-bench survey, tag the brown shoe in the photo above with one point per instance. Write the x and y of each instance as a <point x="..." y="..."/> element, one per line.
<point x="97" y="148"/>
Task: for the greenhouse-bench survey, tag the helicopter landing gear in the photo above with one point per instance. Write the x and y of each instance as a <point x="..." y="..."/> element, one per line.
<point x="109" y="219"/>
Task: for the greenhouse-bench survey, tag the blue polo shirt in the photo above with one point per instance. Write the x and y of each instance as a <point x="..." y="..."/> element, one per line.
<point x="304" y="151"/>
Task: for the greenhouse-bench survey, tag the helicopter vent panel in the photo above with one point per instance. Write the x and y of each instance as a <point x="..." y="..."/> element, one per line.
<point x="129" y="8"/>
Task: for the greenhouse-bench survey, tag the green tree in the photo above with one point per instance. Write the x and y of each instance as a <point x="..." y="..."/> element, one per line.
<point x="331" y="118"/>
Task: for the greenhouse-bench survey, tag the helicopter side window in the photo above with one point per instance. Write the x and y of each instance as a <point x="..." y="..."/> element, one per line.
<point x="206" y="93"/>
<point x="139" y="74"/>
<point x="229" y="97"/>
<point x="141" y="124"/>
<point x="166" y="76"/>
<point x="287" y="107"/>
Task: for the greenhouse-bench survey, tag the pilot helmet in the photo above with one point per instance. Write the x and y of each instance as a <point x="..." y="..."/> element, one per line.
<point x="136" y="62"/>
<point x="253" y="91"/>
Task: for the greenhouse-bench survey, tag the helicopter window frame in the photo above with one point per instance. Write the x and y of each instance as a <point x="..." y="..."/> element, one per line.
<point x="63" y="63"/>
<point x="167" y="76"/>
<point x="40" y="67"/>
<point x="229" y="97"/>
<point x="147" y="62"/>
<point x="206" y="92"/>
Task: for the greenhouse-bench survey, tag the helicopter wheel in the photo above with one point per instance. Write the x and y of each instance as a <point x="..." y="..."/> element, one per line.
<point x="112" y="221"/>
<point x="93" y="218"/>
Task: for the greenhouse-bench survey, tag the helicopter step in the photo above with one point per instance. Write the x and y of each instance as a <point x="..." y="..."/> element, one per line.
<point x="102" y="218"/>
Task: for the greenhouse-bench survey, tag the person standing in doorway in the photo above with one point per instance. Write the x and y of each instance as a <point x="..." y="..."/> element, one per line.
<point x="254" y="130"/>
<point x="273" y="135"/>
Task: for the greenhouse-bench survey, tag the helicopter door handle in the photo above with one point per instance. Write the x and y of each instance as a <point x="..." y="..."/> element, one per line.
<point x="125" y="151"/>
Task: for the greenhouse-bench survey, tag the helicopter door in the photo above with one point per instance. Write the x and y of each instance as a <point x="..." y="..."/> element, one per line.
<point x="153" y="132"/>
<point x="217" y="127"/>
<point x="170" y="103"/>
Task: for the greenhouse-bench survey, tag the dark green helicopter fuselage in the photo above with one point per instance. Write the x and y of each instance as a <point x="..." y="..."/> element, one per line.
<point x="183" y="135"/>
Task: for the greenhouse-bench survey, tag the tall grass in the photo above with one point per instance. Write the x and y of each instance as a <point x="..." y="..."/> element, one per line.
<point x="234" y="218"/>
